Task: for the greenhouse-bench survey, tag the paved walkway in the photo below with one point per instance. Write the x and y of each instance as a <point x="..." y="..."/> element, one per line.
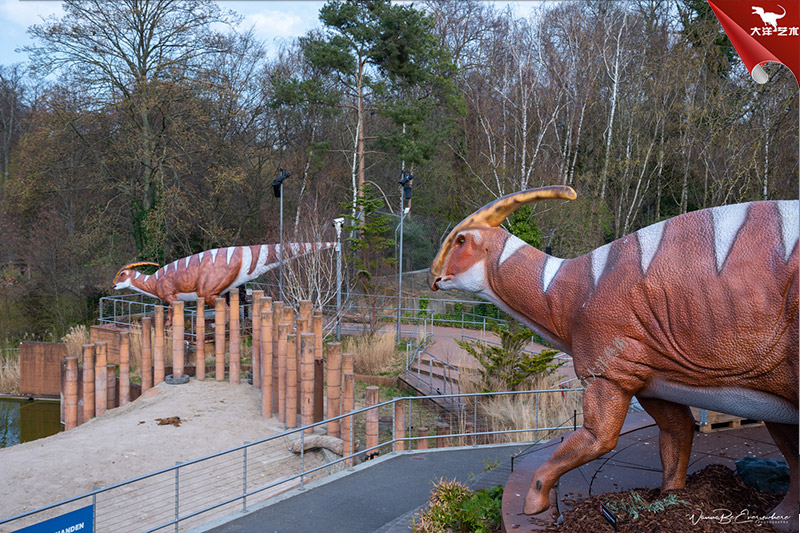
<point x="380" y="495"/>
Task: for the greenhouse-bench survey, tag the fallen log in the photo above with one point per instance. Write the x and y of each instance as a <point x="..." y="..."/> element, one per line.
<point x="313" y="442"/>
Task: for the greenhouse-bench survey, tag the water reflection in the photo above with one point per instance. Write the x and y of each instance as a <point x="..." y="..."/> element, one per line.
<point x="27" y="420"/>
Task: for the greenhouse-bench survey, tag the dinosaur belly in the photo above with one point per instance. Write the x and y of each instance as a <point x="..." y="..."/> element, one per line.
<point x="737" y="401"/>
<point x="187" y="296"/>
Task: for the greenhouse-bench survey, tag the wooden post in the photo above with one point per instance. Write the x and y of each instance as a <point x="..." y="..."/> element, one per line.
<point x="334" y="386"/>
<point x="158" y="347"/>
<point x="372" y="420"/>
<point x="277" y="314"/>
<point x="178" y="353"/>
<point x="219" y="338"/>
<point x="302" y="326"/>
<point x="442" y="442"/>
<point x="256" y="337"/>
<point x="319" y="368"/>
<point x="100" y="378"/>
<point x="291" y="381"/>
<point x="422" y="444"/>
<point x="318" y="414"/>
<point x="147" y="353"/>
<point x="200" y="340"/>
<point x="307" y="380"/>
<point x="233" y="373"/>
<point x="283" y="333"/>
<point x="305" y="309"/>
<point x="399" y="424"/>
<point x="317" y="328"/>
<point x="347" y="363"/>
<point x="124" y="369"/>
<point x="88" y="382"/>
<point x="71" y="394"/>
<point x="348" y="400"/>
<point x="111" y="382"/>
<point x="266" y="362"/>
<point x="288" y="314"/>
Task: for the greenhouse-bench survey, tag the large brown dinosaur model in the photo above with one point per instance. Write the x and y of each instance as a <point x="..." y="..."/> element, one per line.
<point x="210" y="273"/>
<point x="700" y="309"/>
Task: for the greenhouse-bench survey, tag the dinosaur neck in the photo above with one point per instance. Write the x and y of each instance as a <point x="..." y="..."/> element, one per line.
<point x="144" y="284"/>
<point x="535" y="289"/>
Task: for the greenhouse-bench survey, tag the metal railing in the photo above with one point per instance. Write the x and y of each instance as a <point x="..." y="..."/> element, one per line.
<point x="195" y="492"/>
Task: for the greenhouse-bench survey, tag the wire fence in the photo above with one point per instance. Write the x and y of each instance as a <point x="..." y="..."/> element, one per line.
<point x="195" y="492"/>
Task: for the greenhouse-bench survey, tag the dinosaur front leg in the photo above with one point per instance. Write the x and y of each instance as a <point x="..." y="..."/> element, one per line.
<point x="676" y="431"/>
<point x="605" y="406"/>
<point x="785" y="436"/>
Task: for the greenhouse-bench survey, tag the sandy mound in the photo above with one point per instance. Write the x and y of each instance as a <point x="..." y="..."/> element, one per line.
<point x="128" y="442"/>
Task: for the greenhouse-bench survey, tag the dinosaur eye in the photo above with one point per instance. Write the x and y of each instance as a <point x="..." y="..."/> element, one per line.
<point x="460" y="240"/>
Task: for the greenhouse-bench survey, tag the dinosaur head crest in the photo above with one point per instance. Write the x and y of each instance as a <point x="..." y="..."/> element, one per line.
<point x="491" y="216"/>
<point x="122" y="279"/>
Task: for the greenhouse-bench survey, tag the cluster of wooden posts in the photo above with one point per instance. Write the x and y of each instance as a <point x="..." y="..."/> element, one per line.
<point x="287" y="366"/>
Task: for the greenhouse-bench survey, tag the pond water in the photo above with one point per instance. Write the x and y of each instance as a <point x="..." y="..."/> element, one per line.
<point x="26" y="420"/>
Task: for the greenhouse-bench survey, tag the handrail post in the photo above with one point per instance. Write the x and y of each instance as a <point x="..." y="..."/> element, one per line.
<point x="244" y="478"/>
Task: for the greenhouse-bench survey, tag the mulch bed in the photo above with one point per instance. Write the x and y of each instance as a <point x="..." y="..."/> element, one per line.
<point x="714" y="499"/>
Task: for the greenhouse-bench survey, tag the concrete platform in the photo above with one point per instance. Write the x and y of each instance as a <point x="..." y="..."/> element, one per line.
<point x="633" y="463"/>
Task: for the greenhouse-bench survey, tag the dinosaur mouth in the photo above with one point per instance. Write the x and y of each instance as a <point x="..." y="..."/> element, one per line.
<point x="435" y="282"/>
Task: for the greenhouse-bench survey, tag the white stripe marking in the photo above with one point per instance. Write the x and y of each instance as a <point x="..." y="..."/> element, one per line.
<point x="649" y="241"/>
<point x="146" y="278"/>
<point x="295" y="248"/>
<point x="214" y="253"/>
<point x="551" y="267"/>
<point x="136" y="274"/>
<point x="599" y="258"/>
<point x="157" y="271"/>
<point x="728" y="219"/>
<point x="230" y="250"/>
<point x="512" y="244"/>
<point x="200" y="257"/>
<point x="186" y="265"/>
<point x="789" y="225"/>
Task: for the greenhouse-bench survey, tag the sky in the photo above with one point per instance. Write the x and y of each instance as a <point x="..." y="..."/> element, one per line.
<point x="270" y="19"/>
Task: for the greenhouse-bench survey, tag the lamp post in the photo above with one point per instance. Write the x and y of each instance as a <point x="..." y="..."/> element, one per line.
<point x="337" y="223"/>
<point x="405" y="182"/>
<point x="277" y="188"/>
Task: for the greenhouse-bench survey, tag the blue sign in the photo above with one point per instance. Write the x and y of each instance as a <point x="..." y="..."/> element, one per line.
<point x="79" y="521"/>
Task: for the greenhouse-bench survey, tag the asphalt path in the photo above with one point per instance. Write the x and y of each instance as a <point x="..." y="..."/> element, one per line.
<point x="368" y="496"/>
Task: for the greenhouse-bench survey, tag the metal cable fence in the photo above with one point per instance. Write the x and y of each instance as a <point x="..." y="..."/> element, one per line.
<point x="195" y="492"/>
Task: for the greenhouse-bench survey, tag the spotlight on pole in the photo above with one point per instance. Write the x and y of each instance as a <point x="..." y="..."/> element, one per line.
<point x="277" y="186"/>
<point x="405" y="204"/>
<point x="277" y="183"/>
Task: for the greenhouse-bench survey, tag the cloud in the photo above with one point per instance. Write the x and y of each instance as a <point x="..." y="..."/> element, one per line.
<point x="28" y="12"/>
<point x="270" y="24"/>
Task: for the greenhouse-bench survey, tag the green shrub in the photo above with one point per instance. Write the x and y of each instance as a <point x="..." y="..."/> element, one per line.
<point x="453" y="507"/>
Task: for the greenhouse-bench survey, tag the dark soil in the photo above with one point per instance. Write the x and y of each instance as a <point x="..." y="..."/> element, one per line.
<point x="714" y="500"/>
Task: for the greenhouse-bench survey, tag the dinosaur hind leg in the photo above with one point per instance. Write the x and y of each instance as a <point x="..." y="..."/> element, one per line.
<point x="676" y="431"/>
<point x="785" y="436"/>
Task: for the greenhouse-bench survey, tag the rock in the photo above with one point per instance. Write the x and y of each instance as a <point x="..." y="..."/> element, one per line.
<point x="765" y="475"/>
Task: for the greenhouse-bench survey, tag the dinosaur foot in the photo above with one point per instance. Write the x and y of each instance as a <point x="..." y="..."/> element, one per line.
<point x="537" y="501"/>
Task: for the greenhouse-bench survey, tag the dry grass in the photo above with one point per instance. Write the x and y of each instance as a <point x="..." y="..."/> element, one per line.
<point x="523" y="411"/>
<point x="9" y="371"/>
<point x="372" y="354"/>
<point x="75" y="339"/>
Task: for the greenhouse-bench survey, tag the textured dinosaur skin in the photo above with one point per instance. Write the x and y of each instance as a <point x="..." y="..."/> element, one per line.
<point x="700" y="309"/>
<point x="211" y="273"/>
